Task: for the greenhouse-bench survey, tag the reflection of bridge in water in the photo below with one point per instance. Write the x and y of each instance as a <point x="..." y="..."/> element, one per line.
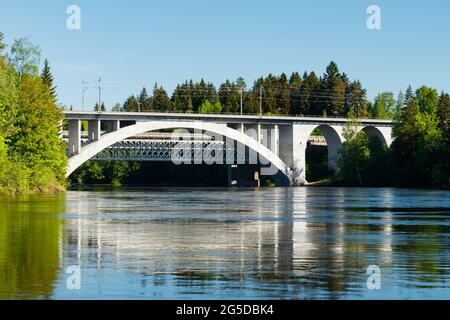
<point x="288" y="241"/>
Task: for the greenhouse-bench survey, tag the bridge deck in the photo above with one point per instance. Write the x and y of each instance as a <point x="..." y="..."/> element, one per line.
<point x="217" y="118"/>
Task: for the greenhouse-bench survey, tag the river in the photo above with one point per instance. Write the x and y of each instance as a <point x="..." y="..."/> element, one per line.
<point x="274" y="243"/>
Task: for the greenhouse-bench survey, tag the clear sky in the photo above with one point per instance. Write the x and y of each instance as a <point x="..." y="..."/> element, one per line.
<point x="131" y="44"/>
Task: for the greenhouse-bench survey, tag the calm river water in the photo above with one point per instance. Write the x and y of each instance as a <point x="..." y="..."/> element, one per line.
<point x="293" y="243"/>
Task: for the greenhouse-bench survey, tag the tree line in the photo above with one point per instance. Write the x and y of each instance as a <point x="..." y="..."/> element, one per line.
<point x="331" y="94"/>
<point x="32" y="155"/>
<point x="419" y="155"/>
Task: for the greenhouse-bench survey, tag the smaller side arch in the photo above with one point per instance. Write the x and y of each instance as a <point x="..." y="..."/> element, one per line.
<point x="382" y="133"/>
<point x="334" y="140"/>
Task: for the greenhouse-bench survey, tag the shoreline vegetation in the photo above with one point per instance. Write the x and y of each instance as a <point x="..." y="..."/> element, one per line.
<point x="33" y="156"/>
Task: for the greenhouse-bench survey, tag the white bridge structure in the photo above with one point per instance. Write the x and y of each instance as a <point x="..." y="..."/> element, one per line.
<point x="276" y="144"/>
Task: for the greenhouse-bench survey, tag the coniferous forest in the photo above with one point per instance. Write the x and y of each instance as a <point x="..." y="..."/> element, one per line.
<point x="332" y="94"/>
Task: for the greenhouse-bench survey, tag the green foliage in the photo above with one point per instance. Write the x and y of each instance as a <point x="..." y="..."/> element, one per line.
<point x="14" y="175"/>
<point x="104" y="172"/>
<point x="161" y="101"/>
<point x="354" y="154"/>
<point x="444" y="110"/>
<point x="47" y="78"/>
<point x="427" y="99"/>
<point x="356" y="102"/>
<point x="333" y="94"/>
<point x="144" y="101"/>
<point x="8" y="99"/>
<point x="419" y="155"/>
<point x="25" y="57"/>
<point x="208" y="107"/>
<point x="131" y="104"/>
<point x="383" y="106"/>
<point x="32" y="155"/>
<point x="2" y="48"/>
<point x="29" y="248"/>
<point x="98" y="108"/>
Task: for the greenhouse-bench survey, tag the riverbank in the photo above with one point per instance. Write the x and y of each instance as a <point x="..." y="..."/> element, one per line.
<point x="40" y="190"/>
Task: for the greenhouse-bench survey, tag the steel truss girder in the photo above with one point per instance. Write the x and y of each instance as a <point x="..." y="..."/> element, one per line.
<point x="182" y="151"/>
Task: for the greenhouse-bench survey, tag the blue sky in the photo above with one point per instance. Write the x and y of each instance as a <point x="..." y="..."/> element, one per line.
<point x="131" y="44"/>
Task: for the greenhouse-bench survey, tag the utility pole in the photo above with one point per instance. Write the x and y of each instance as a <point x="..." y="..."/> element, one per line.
<point x="241" y="100"/>
<point x="83" y="90"/>
<point x="99" y="94"/>
<point x="260" y="101"/>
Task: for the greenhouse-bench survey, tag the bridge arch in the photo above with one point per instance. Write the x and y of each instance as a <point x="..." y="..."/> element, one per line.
<point x="109" y="139"/>
<point x="382" y="133"/>
<point x="334" y="140"/>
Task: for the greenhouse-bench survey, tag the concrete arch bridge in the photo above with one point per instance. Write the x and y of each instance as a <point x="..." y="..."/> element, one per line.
<point x="276" y="144"/>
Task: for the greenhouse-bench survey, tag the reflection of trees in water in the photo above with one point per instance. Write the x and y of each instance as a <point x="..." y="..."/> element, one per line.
<point x="425" y="253"/>
<point x="286" y="243"/>
<point x="30" y="229"/>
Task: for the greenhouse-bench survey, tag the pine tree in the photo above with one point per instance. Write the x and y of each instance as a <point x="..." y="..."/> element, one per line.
<point x="183" y="93"/>
<point x="161" y="101"/>
<point x="212" y="93"/>
<point x="230" y="97"/>
<point x="409" y="95"/>
<point x="144" y="101"/>
<point x="399" y="105"/>
<point x="242" y="85"/>
<point x="199" y="94"/>
<point x="309" y="90"/>
<point x="295" y="83"/>
<point x="283" y="98"/>
<point x="444" y="110"/>
<point x="177" y="100"/>
<point x="101" y="108"/>
<point x="117" y="107"/>
<point x="355" y="100"/>
<point x="334" y="90"/>
<point x="224" y="93"/>
<point x="332" y="72"/>
<point x="188" y="103"/>
<point x="131" y="104"/>
<point x="47" y="78"/>
<point x="234" y="99"/>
